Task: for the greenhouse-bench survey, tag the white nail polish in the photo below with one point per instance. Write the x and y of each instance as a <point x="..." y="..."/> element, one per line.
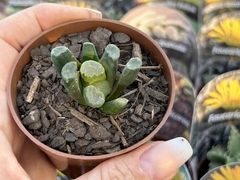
<point x="94" y="13"/>
<point x="164" y="158"/>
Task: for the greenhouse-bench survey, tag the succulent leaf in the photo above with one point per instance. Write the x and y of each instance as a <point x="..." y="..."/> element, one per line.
<point x="109" y="61"/>
<point x="234" y="142"/>
<point x="115" y="106"/>
<point x="60" y="56"/>
<point x="217" y="155"/>
<point x="92" y="71"/>
<point x="89" y="52"/>
<point x="103" y="86"/>
<point x="93" y="96"/>
<point x="127" y="77"/>
<point x="71" y="81"/>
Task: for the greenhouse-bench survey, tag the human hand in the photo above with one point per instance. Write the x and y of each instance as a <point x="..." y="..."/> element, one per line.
<point x="20" y="158"/>
<point x="157" y="160"/>
<point x="152" y="161"/>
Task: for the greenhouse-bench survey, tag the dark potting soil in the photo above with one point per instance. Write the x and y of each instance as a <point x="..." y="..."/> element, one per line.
<point x="52" y="117"/>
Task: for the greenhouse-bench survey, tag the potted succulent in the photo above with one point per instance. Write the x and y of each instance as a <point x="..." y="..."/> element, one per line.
<point x="92" y="110"/>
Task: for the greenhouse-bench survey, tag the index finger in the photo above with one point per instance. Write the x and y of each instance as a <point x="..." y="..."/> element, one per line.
<point x="19" y="28"/>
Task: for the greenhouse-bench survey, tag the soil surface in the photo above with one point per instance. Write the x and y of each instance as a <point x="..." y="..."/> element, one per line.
<point x="56" y="120"/>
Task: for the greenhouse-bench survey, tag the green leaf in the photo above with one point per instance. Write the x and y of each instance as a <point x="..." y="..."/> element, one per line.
<point x="230" y="160"/>
<point x="60" y="56"/>
<point x="234" y="142"/>
<point x="71" y="81"/>
<point x="217" y="154"/>
<point x="115" y="106"/>
<point x="89" y="52"/>
<point x="103" y="86"/>
<point x="93" y="96"/>
<point x="109" y="61"/>
<point x="214" y="165"/>
<point x="127" y="77"/>
<point x="92" y="71"/>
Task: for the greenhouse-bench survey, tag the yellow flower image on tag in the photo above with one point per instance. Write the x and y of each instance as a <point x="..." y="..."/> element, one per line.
<point x="227" y="173"/>
<point x="226" y="95"/>
<point x="76" y="3"/>
<point x="227" y="32"/>
<point x="216" y="1"/>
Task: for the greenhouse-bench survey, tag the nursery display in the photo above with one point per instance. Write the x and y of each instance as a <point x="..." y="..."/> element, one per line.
<point x="216" y="113"/>
<point x="171" y="31"/>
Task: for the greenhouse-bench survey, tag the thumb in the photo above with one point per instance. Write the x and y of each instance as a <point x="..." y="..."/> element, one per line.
<point x="156" y="160"/>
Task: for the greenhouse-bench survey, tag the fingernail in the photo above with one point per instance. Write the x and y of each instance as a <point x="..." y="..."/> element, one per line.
<point x="162" y="159"/>
<point x="94" y="13"/>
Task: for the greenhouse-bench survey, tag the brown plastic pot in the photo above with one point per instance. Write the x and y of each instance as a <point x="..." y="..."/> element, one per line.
<point x="75" y="165"/>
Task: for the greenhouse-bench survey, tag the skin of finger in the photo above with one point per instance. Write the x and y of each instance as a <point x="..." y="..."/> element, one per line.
<point x="122" y="167"/>
<point x="170" y="177"/>
<point x="35" y="162"/>
<point x="26" y="24"/>
<point x="7" y="57"/>
<point x="19" y="28"/>
<point x="20" y="152"/>
<point x="9" y="167"/>
<point x="15" y="32"/>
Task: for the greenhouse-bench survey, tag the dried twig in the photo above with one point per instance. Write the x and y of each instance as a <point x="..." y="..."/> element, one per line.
<point x="143" y="67"/>
<point x="115" y="124"/>
<point x="152" y="114"/>
<point x="82" y="117"/>
<point x="136" y="51"/>
<point x="140" y="89"/>
<point x="144" y="77"/>
<point x="124" y="141"/>
<point x="33" y="89"/>
<point x="151" y="67"/>
<point x="69" y="149"/>
<point x="55" y="111"/>
<point x="135" y="90"/>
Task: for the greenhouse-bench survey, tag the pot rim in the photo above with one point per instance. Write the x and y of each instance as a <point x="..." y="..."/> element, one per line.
<point x="95" y="157"/>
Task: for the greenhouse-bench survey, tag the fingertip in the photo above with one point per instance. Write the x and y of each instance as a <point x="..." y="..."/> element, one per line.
<point x="162" y="159"/>
<point x="94" y="13"/>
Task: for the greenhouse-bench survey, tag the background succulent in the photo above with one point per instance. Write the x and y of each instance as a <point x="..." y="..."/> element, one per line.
<point x="220" y="155"/>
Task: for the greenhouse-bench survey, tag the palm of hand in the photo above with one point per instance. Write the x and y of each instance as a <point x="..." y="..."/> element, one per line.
<point x="22" y="159"/>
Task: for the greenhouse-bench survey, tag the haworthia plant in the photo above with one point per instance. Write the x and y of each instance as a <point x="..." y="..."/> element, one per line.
<point x="95" y="82"/>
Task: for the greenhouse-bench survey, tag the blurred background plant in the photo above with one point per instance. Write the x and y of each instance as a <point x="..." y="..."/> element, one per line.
<point x="220" y="155"/>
